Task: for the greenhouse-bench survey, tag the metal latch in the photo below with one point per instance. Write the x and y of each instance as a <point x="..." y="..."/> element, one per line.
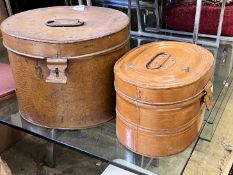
<point x="208" y="97"/>
<point x="57" y="69"/>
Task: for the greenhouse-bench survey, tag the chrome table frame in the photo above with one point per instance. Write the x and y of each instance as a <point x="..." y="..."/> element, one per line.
<point x="192" y="37"/>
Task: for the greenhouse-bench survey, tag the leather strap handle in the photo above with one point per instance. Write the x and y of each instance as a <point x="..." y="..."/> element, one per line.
<point x="65" y="23"/>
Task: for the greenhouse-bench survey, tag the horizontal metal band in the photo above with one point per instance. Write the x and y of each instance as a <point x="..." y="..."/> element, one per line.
<point x="102" y="52"/>
<point x="131" y="99"/>
<point x="161" y="132"/>
<point x="126" y="27"/>
<point x="27" y="119"/>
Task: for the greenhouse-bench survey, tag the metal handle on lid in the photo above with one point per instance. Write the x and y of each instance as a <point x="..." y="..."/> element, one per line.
<point x="160" y="60"/>
<point x="64" y="23"/>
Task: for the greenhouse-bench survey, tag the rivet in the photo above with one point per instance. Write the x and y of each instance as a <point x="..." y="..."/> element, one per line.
<point x="130" y="65"/>
<point x="186" y="69"/>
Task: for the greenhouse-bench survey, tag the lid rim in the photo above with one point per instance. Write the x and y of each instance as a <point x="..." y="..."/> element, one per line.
<point x="159" y="81"/>
<point x="173" y="103"/>
<point x="12" y="28"/>
<point x="64" y="41"/>
<point x="146" y="86"/>
<point x="84" y="56"/>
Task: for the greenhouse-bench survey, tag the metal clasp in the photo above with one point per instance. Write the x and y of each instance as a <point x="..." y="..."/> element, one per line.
<point x="208" y="97"/>
<point x="57" y="69"/>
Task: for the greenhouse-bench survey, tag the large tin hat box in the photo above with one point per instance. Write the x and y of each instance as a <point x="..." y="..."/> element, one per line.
<point x="62" y="60"/>
<point x="162" y="90"/>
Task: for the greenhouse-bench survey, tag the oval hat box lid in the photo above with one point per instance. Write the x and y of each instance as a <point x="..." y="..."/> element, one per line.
<point x="172" y="70"/>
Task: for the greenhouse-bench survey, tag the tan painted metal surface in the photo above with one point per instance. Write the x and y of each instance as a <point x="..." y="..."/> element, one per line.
<point x="63" y="69"/>
<point x="161" y="90"/>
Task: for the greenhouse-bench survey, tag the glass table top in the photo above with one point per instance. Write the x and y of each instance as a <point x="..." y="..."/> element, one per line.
<point x="101" y="141"/>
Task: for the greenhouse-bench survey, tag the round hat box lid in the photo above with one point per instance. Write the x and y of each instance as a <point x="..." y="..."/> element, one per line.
<point x="40" y="24"/>
<point x="66" y="31"/>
